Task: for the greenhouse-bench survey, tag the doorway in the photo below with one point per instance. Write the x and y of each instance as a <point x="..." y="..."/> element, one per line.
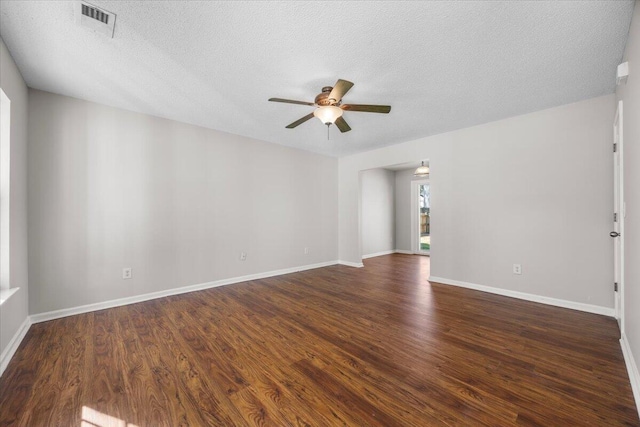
<point x="421" y="217"/>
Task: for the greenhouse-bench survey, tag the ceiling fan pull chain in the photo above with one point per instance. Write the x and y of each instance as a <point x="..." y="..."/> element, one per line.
<point x="328" y="124"/>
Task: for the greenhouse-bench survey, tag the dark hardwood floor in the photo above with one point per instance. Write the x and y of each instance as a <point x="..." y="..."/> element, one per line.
<point x="377" y="346"/>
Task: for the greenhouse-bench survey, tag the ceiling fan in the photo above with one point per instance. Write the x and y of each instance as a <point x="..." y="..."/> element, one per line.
<point x="329" y="106"/>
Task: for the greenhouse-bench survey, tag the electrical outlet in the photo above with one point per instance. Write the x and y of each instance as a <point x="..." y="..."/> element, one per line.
<point x="517" y="269"/>
<point x="243" y="256"/>
<point x="127" y="273"/>
<point x="306" y="251"/>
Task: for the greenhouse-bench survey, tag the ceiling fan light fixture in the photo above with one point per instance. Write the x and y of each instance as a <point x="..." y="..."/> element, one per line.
<point x="422" y="171"/>
<point x="328" y="114"/>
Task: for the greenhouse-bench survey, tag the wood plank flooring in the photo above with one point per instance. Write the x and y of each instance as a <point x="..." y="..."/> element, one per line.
<point x="337" y="346"/>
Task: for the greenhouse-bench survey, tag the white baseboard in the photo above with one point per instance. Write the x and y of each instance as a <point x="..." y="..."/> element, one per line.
<point x="51" y="315"/>
<point x="596" y="309"/>
<point x="378" y="254"/>
<point x="351" y="264"/>
<point x="394" y="251"/>
<point x="632" y="369"/>
<point x="13" y="345"/>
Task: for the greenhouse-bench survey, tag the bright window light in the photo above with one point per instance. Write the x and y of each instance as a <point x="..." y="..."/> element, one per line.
<point x="5" y="164"/>
<point x="93" y="418"/>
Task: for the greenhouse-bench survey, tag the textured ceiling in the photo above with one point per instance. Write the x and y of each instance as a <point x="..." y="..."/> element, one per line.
<point x="440" y="65"/>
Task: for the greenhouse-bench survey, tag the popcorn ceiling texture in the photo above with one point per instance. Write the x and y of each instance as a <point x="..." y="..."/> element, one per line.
<point x="440" y="65"/>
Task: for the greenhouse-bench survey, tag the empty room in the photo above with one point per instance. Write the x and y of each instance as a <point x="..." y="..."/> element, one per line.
<point x="319" y="213"/>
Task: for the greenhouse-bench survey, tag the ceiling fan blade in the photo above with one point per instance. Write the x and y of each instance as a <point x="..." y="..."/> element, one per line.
<point x="290" y="101"/>
<point x="367" y="108"/>
<point x="300" y="121"/>
<point x="342" y="125"/>
<point x="341" y="87"/>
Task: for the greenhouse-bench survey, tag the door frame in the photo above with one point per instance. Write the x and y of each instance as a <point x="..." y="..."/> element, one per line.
<point x="619" y="211"/>
<point x="415" y="228"/>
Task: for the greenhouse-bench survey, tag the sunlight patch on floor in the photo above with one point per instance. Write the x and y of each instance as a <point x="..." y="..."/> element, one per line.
<point x="93" y="418"/>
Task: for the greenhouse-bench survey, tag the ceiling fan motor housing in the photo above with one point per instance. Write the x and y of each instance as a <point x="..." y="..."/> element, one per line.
<point x="323" y="97"/>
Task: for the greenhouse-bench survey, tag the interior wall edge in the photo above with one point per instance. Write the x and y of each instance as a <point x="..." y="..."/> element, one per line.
<point x="377" y="205"/>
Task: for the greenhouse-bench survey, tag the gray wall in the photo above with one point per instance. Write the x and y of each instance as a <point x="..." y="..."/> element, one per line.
<point x="403" y="208"/>
<point x="110" y="189"/>
<point x="534" y="189"/>
<point x="630" y="94"/>
<point x="378" y="206"/>
<point x="14" y="311"/>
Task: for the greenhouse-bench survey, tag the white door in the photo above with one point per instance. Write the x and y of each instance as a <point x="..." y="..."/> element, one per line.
<point x="618" y="218"/>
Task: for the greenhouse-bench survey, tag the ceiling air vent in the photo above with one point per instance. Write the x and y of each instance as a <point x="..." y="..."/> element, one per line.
<point x="94" y="18"/>
<point x="95" y="13"/>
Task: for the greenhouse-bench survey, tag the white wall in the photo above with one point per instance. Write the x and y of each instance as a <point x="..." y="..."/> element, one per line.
<point x="110" y="189"/>
<point x="378" y="206"/>
<point x="403" y="208"/>
<point x="630" y="95"/>
<point x="15" y="310"/>
<point x="534" y="189"/>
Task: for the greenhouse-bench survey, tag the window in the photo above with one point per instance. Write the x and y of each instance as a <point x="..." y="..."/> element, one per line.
<point x="5" y="164"/>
